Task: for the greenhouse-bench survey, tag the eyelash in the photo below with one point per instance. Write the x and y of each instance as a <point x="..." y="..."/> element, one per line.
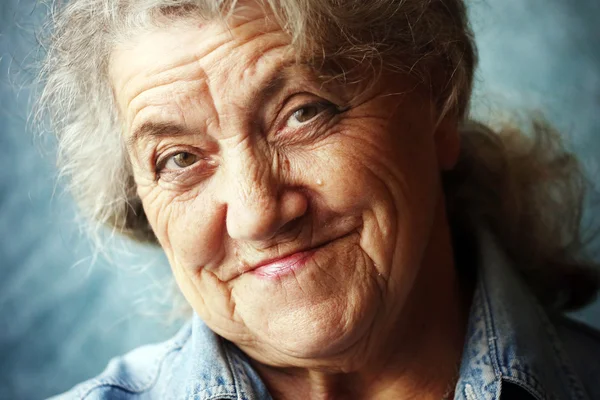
<point x="324" y="106"/>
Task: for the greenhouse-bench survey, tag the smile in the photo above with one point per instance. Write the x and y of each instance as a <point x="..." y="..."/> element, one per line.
<point x="279" y="267"/>
<point x="283" y="266"/>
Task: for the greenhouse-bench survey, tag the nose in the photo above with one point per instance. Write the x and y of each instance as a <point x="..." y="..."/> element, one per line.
<point x="258" y="205"/>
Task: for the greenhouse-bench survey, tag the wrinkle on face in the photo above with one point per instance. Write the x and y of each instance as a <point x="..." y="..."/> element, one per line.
<point x="357" y="186"/>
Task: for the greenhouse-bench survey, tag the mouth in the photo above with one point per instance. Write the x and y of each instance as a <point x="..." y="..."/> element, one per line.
<point x="277" y="267"/>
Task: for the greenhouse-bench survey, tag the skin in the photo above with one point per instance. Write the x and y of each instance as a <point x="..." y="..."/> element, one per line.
<point x="271" y="162"/>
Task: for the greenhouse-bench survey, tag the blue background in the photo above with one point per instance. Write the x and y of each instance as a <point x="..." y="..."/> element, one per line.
<point x="64" y="312"/>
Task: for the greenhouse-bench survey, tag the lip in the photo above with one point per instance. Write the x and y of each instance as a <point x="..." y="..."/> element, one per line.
<point x="281" y="266"/>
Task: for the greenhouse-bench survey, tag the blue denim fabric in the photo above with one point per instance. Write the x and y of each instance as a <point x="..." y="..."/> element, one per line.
<point x="510" y="339"/>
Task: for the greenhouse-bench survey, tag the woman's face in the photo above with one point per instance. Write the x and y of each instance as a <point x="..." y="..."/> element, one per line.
<point x="295" y="214"/>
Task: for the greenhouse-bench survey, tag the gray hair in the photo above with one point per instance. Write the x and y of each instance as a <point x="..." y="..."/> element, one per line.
<point x="428" y="39"/>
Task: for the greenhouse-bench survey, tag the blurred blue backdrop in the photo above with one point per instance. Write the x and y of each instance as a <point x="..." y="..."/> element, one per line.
<point x="64" y="313"/>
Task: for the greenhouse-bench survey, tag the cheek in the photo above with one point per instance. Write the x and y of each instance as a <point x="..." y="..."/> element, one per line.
<point x="385" y="174"/>
<point x="362" y="160"/>
<point x="185" y="225"/>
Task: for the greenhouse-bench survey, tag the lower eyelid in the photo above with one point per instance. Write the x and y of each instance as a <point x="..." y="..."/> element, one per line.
<point x="204" y="166"/>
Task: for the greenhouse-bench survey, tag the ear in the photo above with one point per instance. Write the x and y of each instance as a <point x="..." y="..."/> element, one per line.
<point x="447" y="143"/>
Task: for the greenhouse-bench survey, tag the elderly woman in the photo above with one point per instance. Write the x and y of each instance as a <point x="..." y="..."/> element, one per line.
<point x="337" y="224"/>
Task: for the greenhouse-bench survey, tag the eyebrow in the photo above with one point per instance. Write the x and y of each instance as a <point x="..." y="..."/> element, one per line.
<point x="155" y="129"/>
<point x="273" y="85"/>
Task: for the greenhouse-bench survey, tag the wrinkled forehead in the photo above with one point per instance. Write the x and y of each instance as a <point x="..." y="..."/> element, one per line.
<point x="245" y="48"/>
<point x="242" y="54"/>
<point x="182" y="38"/>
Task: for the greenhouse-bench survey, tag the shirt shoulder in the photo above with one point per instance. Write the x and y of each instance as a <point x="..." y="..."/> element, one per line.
<point x="581" y="344"/>
<point x="133" y="374"/>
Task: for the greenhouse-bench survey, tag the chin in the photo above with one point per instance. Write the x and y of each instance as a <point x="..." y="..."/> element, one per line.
<point x="321" y="339"/>
<point x="304" y="331"/>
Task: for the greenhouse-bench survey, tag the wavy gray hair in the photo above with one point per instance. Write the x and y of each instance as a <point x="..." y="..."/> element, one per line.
<point x="527" y="189"/>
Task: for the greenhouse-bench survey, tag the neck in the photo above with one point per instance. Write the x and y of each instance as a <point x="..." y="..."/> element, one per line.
<point x="422" y="354"/>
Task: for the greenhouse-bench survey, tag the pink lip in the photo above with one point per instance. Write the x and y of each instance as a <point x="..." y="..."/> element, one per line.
<point x="282" y="266"/>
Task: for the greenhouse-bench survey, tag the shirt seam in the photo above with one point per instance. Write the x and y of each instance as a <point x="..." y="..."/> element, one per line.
<point x="575" y="386"/>
<point x="201" y="394"/>
<point x="493" y="347"/>
<point x="240" y="393"/>
<point x="169" y="377"/>
<point x="118" y="384"/>
<point x="536" y="389"/>
<point x="490" y="330"/>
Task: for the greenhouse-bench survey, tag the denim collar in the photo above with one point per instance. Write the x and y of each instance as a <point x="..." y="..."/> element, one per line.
<point x="509" y="339"/>
<point x="216" y="369"/>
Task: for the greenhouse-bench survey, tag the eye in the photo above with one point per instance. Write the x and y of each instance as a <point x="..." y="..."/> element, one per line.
<point x="181" y="160"/>
<point x="305" y="114"/>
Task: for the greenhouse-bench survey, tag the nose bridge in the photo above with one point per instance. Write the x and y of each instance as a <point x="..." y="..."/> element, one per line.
<point x="252" y="179"/>
<point x="251" y="197"/>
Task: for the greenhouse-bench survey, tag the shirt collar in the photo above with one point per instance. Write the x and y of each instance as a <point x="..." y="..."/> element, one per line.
<point x="216" y="369"/>
<point x="510" y="337"/>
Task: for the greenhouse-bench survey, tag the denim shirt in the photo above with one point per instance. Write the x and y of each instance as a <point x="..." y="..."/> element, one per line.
<point x="511" y="343"/>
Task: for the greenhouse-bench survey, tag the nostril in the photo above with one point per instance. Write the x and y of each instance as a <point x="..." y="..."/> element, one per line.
<point x="263" y="220"/>
<point x="292" y="228"/>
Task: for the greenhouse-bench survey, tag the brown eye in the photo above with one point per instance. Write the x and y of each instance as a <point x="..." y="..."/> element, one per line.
<point x="305" y="114"/>
<point x="181" y="160"/>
